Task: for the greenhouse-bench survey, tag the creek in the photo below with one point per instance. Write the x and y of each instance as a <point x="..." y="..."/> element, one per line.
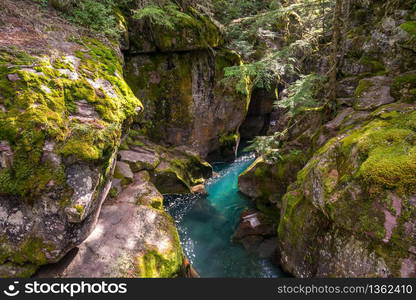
<point x="206" y="224"/>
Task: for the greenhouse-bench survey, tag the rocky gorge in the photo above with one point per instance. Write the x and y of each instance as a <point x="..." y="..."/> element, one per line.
<point x="96" y="130"/>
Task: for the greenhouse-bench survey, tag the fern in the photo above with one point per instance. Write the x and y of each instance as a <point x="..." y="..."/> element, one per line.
<point x="165" y="15"/>
<point x="302" y="94"/>
<point x="268" y="147"/>
<point x="156" y="15"/>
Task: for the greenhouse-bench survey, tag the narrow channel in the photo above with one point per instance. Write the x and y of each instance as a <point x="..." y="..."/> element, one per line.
<point x="206" y="225"/>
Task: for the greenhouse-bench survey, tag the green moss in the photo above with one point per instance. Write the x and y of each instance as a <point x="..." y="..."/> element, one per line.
<point x="24" y="271"/>
<point x="404" y="88"/>
<point x="32" y="250"/>
<point x="409" y="27"/>
<point x="391" y="167"/>
<point x="38" y="105"/>
<point x="62" y="63"/>
<point x="229" y="140"/>
<point x="167" y="92"/>
<point x="363" y="86"/>
<point x="154" y="264"/>
<point x="375" y="66"/>
<point x="113" y="193"/>
<point x="387" y="151"/>
<point x="190" y="30"/>
<point x="291" y="201"/>
<point x="89" y="143"/>
<point x="80" y="209"/>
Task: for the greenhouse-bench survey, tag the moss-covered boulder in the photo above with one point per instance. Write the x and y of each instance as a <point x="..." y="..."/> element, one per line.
<point x="186" y="101"/>
<point x="172" y="170"/>
<point x="134" y="237"/>
<point x="354" y="202"/>
<point x="186" y="29"/>
<point x="63" y="101"/>
<point x="266" y="183"/>
<point x="373" y="92"/>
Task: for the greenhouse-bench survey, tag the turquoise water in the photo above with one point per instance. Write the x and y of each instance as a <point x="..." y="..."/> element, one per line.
<point x="207" y="223"/>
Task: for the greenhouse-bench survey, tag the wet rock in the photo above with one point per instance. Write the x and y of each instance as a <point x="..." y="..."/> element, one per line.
<point x="266" y="183"/>
<point x="267" y="248"/>
<point x="258" y="117"/>
<point x="199" y="189"/>
<point x="257" y="234"/>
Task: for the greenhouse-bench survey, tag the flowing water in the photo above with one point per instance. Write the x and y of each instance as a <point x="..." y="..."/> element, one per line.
<point x="207" y="223"/>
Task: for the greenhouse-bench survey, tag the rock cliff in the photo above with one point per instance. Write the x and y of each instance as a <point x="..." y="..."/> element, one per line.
<point x="345" y="187"/>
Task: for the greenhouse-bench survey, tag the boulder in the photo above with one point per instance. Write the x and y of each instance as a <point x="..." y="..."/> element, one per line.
<point x="257" y="233"/>
<point x="199" y="189"/>
<point x="350" y="212"/>
<point x="172" y="170"/>
<point x="266" y="183"/>
<point x="131" y="239"/>
<point x="59" y="132"/>
<point x="372" y="93"/>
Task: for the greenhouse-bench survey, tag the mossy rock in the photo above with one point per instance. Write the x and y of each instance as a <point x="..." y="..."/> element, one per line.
<point x="186" y="101"/>
<point x="172" y="170"/>
<point x="359" y="185"/>
<point x="404" y="88"/>
<point x="192" y="30"/>
<point x="409" y="27"/>
<point x="59" y="114"/>
<point x="41" y="105"/>
<point x="267" y="183"/>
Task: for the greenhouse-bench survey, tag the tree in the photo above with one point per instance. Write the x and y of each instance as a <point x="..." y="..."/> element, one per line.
<point x="335" y="55"/>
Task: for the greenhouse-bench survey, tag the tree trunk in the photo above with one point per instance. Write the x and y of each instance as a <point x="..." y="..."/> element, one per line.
<point x="335" y="55"/>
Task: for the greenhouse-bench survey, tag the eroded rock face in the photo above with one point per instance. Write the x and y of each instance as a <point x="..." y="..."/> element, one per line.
<point x="349" y="212"/>
<point x="353" y="203"/>
<point x="179" y="74"/>
<point x="173" y="171"/>
<point x="186" y="101"/>
<point x="257" y="233"/>
<point x="259" y="114"/>
<point x="134" y="237"/>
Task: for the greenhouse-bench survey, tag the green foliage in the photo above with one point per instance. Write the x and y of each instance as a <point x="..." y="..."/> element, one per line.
<point x="302" y="95"/>
<point x="163" y="15"/>
<point x="268" y="147"/>
<point x="258" y="72"/>
<point x="409" y="27"/>
<point x="155" y="14"/>
<point x="43" y="3"/>
<point x="96" y="15"/>
<point x="228" y="10"/>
